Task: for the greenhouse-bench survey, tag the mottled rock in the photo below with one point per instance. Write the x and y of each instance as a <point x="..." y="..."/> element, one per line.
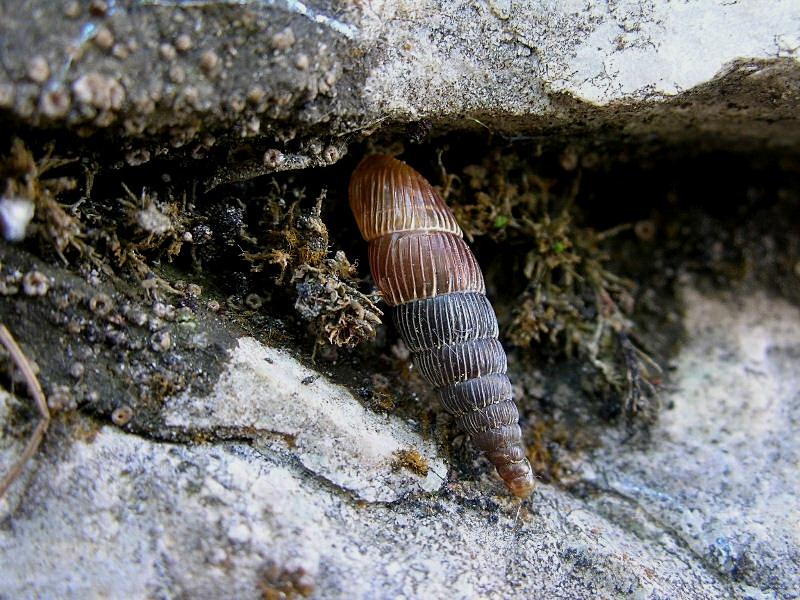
<point x="265" y="477"/>
<point x="721" y="472"/>
<point x="704" y="510"/>
<point x="293" y="410"/>
<point x="120" y="516"/>
<point x="689" y="72"/>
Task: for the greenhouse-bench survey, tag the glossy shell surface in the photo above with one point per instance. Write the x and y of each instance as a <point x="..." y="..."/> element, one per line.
<point x="388" y="196"/>
<point x="424" y="269"/>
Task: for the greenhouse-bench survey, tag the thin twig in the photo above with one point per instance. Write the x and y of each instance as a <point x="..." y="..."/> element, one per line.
<point x="23" y="364"/>
<point x="602" y="235"/>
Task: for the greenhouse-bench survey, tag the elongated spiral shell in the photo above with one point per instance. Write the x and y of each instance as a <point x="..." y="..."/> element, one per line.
<point x="425" y="270"/>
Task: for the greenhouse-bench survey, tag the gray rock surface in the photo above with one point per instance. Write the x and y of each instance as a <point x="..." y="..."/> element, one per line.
<point x="705" y="510"/>
<point x="267" y="478"/>
<point x="290" y="408"/>
<point x="510" y="56"/>
<point x="722" y="473"/>
<point x="289" y="84"/>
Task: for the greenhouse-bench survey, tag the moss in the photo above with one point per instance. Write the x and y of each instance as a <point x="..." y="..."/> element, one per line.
<point x="34" y="180"/>
<point x="106" y="342"/>
<point x="544" y="464"/>
<point x="570" y="300"/>
<point x="380" y="394"/>
<point x="326" y="286"/>
<point x="133" y="231"/>
<point x="411" y="460"/>
<point x="79" y="228"/>
<point x="275" y="260"/>
<point x="280" y="582"/>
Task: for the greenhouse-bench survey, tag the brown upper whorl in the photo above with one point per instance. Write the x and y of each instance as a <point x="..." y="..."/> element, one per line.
<point x="388" y="196"/>
<point x="422" y="264"/>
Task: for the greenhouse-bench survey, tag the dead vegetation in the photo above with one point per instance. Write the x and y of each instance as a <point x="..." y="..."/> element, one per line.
<point x="411" y="460"/>
<point x="285" y="582"/>
<point x="267" y="247"/>
<point x="123" y="303"/>
<point x="135" y="232"/>
<point x="78" y="230"/>
<point x="327" y="293"/>
<point x="571" y="302"/>
<point x="28" y="180"/>
<point x="21" y="363"/>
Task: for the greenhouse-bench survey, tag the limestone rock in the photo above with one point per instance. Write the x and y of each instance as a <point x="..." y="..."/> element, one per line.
<point x="104" y="513"/>
<point x="292" y="409"/>
<point x="298" y="79"/>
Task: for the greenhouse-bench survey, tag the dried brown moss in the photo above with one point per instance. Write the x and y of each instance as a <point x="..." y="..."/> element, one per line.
<point x="571" y="301"/>
<point x="411" y="460"/>
<point x="79" y="228"/>
<point x="27" y="179"/>
<point x="326" y="286"/>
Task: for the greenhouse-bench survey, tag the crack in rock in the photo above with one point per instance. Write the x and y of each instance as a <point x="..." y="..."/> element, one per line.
<point x="327" y="429"/>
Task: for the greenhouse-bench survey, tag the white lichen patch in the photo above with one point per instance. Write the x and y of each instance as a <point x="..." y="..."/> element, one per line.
<point x="128" y="512"/>
<point x="671" y="47"/>
<point x="287" y="406"/>
<point x="15" y="215"/>
<point x="440" y="57"/>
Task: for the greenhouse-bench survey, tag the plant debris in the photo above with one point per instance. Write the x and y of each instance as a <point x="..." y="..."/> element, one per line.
<point x="326" y="287"/>
<point x="571" y="301"/>
<point x="411" y="460"/>
<point x="21" y="362"/>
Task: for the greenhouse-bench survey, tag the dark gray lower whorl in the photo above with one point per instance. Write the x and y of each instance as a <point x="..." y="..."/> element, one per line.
<point x="453" y="339"/>
<point x="445" y="319"/>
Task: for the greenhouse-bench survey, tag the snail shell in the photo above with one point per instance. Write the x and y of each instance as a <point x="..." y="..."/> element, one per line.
<point x="425" y="270"/>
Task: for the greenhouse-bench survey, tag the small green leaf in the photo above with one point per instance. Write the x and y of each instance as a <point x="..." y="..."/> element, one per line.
<point x="500" y="222"/>
<point x="559" y="247"/>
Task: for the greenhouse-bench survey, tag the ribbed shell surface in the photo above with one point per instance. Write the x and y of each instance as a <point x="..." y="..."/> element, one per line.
<point x="492" y="439"/>
<point x="388" y="196"/>
<point x="475" y="394"/>
<point x="452" y="363"/>
<point x="492" y="417"/>
<point x="421" y="264"/>
<point x="426" y="271"/>
<point x="448" y="319"/>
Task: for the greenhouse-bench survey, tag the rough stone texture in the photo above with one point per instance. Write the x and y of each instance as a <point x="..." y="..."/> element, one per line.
<point x="508" y="57"/>
<point x="706" y="510"/>
<point x="267" y="479"/>
<point x="288" y="84"/>
<point x="293" y="409"/>
<point x="722" y="474"/>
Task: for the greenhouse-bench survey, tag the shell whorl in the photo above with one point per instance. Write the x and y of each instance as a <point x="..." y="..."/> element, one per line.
<point x="423" y="268"/>
<point x="388" y="196"/>
<point x="413" y="265"/>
